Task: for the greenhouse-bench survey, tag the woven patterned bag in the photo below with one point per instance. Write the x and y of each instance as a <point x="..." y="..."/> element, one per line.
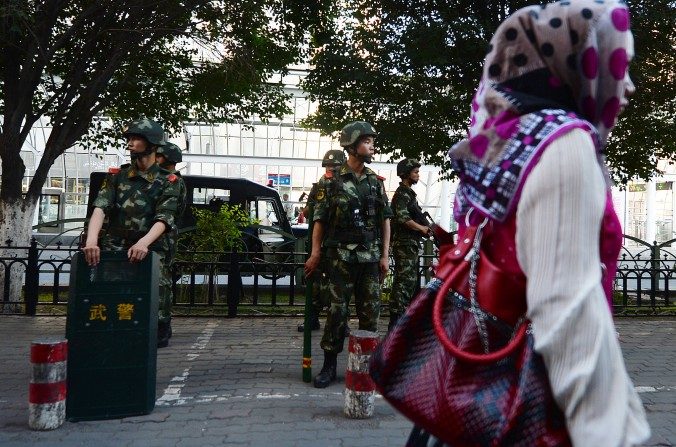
<point x="460" y="363"/>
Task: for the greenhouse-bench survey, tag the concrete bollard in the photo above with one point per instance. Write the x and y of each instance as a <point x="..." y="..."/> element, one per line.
<point x="47" y="389"/>
<point x="360" y="391"/>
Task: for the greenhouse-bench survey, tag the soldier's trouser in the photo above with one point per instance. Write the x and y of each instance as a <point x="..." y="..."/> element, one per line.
<point x="165" y="295"/>
<point x="405" y="277"/>
<point x="344" y="280"/>
<point x="317" y="298"/>
<point x="319" y="289"/>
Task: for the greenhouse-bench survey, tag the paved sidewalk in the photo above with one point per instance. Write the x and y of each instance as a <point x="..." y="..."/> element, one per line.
<point x="237" y="382"/>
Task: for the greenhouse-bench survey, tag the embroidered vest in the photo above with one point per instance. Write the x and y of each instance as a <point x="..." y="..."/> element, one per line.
<point x="499" y="243"/>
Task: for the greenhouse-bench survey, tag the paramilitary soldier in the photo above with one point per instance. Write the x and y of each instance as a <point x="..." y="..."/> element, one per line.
<point x="352" y="218"/>
<point x="332" y="160"/>
<point x="137" y="203"/>
<point x="408" y="228"/>
<point x="168" y="156"/>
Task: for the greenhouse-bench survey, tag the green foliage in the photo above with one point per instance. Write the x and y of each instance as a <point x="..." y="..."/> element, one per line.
<point x="645" y="132"/>
<point x="411" y="68"/>
<point x="215" y="232"/>
<point x="174" y="61"/>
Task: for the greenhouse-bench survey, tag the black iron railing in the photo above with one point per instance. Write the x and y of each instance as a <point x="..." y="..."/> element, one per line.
<point x="34" y="280"/>
<point x="646" y="277"/>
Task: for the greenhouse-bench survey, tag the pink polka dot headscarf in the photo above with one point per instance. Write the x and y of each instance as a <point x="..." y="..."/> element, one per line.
<point x="569" y="54"/>
<point x="549" y="68"/>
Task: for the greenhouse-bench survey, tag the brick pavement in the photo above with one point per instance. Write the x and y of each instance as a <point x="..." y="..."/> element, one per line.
<point x="237" y="382"/>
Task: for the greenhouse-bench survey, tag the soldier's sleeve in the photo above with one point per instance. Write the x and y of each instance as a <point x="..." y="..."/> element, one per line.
<point x="183" y="197"/>
<point x="321" y="211"/>
<point x="312" y="197"/>
<point x="400" y="209"/>
<point x="106" y="195"/>
<point x="168" y="204"/>
<point x="387" y="211"/>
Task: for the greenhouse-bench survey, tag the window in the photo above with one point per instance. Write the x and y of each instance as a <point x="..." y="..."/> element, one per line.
<point x="265" y="211"/>
<point x="49" y="208"/>
<point x="209" y="196"/>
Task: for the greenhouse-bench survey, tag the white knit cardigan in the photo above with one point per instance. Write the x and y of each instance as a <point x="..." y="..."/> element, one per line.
<point x="557" y="238"/>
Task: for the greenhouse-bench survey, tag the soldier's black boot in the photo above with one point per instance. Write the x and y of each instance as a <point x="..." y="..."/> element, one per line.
<point x="314" y="324"/>
<point x="328" y="372"/>
<point x="162" y="334"/>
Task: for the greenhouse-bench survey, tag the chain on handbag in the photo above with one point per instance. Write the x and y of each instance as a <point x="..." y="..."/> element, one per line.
<point x="479" y="314"/>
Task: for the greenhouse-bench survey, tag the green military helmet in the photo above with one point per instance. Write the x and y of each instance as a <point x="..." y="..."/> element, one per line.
<point x="405" y="166"/>
<point x="351" y="132"/>
<point x="333" y="158"/>
<point x="149" y="129"/>
<point x="171" y="152"/>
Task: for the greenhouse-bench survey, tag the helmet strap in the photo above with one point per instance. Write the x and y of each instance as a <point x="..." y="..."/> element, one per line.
<point x="365" y="158"/>
<point x="136" y="155"/>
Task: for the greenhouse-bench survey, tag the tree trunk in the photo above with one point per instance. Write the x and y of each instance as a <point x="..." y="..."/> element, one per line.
<point x="15" y="231"/>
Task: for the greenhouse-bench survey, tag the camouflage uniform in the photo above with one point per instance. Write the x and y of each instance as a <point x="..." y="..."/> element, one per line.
<point x="405" y="244"/>
<point x="173" y="155"/>
<point x="331" y="161"/>
<point x="166" y="290"/>
<point x="319" y="301"/>
<point x="133" y="201"/>
<point x="182" y="200"/>
<point x="353" y="210"/>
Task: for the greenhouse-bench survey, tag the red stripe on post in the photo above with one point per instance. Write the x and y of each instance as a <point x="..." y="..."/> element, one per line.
<point x="49" y="352"/>
<point x="46" y="393"/>
<point x="362" y="346"/>
<point x="359" y="382"/>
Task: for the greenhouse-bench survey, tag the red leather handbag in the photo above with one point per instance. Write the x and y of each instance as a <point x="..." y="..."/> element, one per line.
<point x="460" y="362"/>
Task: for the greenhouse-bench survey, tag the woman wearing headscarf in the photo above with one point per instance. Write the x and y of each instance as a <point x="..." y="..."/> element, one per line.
<point x="554" y="81"/>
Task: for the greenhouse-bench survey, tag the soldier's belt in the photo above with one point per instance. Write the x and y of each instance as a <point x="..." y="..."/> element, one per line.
<point x="354" y="237"/>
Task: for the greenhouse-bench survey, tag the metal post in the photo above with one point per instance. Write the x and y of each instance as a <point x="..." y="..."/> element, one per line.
<point x="307" y="331"/>
<point x="654" y="272"/>
<point x="234" y="284"/>
<point x="307" y="325"/>
<point x="47" y="389"/>
<point x="360" y="390"/>
<point x="32" y="279"/>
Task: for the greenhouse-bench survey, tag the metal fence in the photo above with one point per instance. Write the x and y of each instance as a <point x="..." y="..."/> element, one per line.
<point x="646" y="277"/>
<point x="35" y="280"/>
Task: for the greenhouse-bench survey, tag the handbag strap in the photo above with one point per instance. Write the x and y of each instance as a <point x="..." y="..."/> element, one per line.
<point x="471" y="257"/>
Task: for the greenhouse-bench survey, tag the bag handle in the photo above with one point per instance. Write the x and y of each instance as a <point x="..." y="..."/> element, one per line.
<point x="437" y="312"/>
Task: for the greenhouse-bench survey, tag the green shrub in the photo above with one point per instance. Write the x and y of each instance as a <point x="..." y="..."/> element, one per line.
<point x="215" y="232"/>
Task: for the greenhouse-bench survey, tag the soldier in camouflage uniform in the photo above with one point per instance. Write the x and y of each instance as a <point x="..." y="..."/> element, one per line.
<point x="136" y="206"/>
<point x="168" y="156"/>
<point x="408" y="228"/>
<point x="352" y="219"/>
<point x="332" y="160"/>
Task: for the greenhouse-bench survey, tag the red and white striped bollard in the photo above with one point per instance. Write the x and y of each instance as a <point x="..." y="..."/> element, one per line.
<point x="360" y="390"/>
<point x="47" y="389"/>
